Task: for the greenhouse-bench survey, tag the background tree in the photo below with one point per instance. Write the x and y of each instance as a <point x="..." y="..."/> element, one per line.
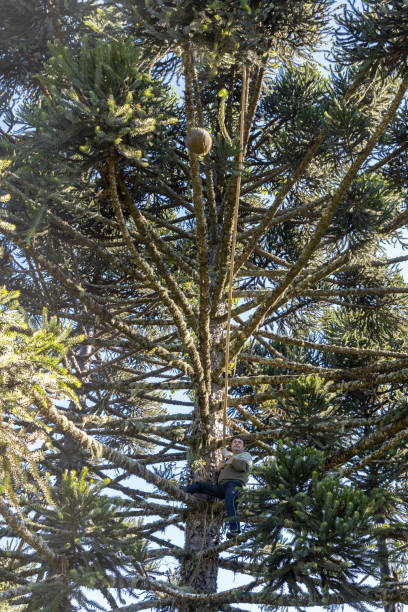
<point x="109" y="221"/>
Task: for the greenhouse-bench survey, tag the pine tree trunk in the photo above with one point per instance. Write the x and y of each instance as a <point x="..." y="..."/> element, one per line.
<point x="204" y="524"/>
<point x="203" y="531"/>
<point x="386" y="569"/>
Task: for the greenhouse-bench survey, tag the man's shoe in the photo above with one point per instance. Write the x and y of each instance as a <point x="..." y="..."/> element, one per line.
<point x="233" y="533"/>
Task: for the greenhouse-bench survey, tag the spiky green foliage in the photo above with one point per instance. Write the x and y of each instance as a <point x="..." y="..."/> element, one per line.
<point x="225" y="31"/>
<point x="31" y="372"/>
<point x="94" y="537"/>
<point x="26" y="30"/>
<point x="106" y="101"/>
<point x="374" y="32"/>
<point x="313" y="532"/>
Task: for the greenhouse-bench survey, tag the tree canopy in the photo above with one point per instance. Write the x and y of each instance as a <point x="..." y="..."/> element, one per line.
<point x="120" y="243"/>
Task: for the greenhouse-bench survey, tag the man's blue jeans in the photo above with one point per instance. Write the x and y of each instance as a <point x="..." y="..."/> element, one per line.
<point x="228" y="490"/>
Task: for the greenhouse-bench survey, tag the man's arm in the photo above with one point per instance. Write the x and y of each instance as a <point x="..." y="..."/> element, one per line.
<point x="241" y="463"/>
<point x="222" y="464"/>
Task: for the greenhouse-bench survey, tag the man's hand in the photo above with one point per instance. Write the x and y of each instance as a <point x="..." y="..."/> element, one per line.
<point x="225" y="453"/>
<point x="219" y="466"/>
<point x="224" y="461"/>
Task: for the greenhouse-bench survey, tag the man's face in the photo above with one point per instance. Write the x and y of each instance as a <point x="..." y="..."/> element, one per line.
<point x="237" y="446"/>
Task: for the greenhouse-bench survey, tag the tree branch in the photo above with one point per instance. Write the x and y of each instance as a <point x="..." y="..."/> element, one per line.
<point x="259" y="316"/>
<point x="204" y="319"/>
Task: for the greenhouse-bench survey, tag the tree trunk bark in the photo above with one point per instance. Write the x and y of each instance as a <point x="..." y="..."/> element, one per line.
<point x="204" y="525"/>
<point x="387" y="571"/>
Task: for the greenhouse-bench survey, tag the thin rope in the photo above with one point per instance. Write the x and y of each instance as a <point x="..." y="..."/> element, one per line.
<point x="244" y="95"/>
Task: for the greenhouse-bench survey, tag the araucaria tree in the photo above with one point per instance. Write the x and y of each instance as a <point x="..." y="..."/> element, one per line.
<point x="132" y="242"/>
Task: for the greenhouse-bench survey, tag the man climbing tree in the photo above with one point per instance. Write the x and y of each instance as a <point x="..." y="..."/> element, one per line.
<point x="233" y="474"/>
<point x="208" y="206"/>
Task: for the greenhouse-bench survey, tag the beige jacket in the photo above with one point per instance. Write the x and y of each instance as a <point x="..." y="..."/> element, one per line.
<point x="238" y="469"/>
